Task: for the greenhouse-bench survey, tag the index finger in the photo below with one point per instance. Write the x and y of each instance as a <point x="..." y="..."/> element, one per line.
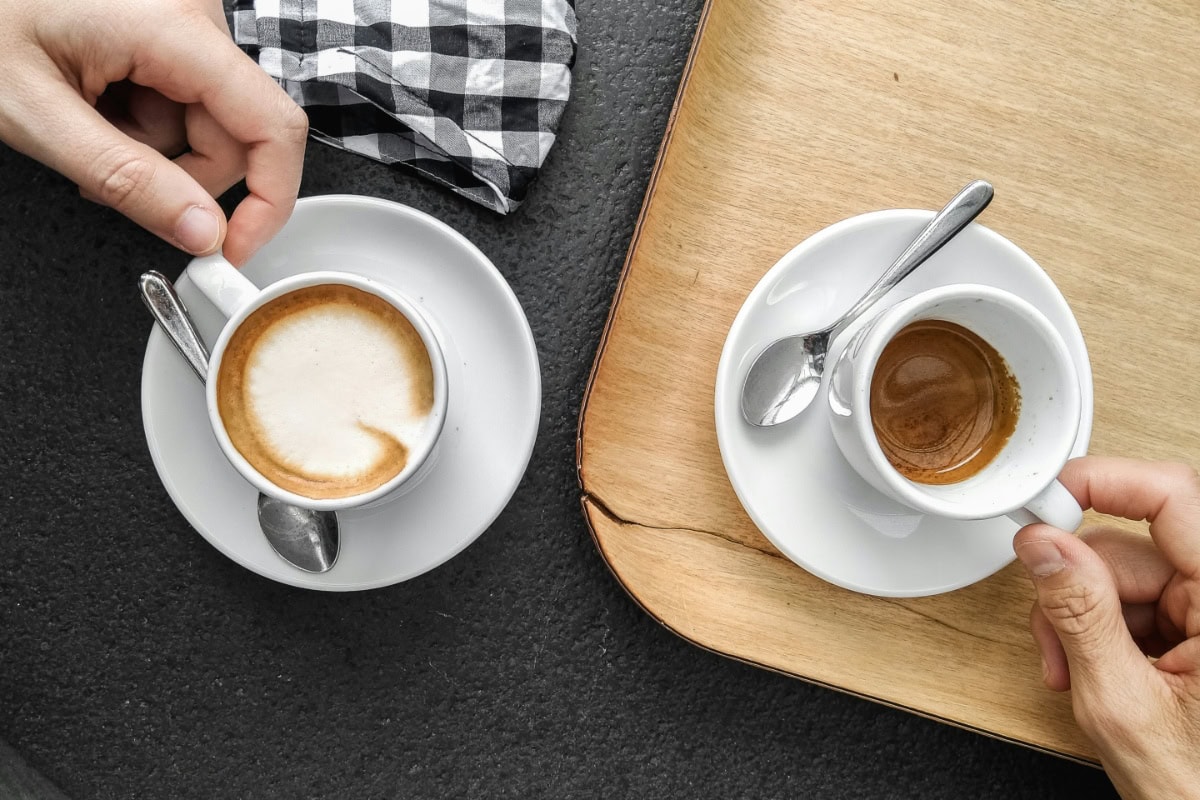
<point x="193" y="61"/>
<point x="1166" y="494"/>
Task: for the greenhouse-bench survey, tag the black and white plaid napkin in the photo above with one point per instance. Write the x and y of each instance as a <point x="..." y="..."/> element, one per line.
<point x="467" y="92"/>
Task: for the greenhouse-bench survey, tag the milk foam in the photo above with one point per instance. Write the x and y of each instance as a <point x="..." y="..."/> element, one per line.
<point x="322" y="383"/>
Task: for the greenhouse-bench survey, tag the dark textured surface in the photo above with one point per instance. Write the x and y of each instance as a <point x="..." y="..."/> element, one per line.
<point x="135" y="661"/>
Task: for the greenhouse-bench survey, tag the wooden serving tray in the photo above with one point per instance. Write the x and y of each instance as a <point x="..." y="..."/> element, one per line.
<point x="793" y="115"/>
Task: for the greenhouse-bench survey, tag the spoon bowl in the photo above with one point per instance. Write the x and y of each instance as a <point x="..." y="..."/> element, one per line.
<point x="785" y="376"/>
<point x="308" y="540"/>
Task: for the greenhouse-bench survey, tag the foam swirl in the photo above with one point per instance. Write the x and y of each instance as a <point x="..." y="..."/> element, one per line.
<point x="325" y="390"/>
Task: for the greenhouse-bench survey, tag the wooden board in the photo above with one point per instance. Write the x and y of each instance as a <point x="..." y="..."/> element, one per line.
<point x="793" y="115"/>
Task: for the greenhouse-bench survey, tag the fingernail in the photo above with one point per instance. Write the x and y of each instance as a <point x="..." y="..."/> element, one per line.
<point x="1041" y="558"/>
<point x="1045" y="671"/>
<point x="198" y="230"/>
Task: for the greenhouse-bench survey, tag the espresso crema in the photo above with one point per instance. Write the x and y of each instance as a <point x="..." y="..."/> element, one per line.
<point x="325" y="391"/>
<point x="943" y="402"/>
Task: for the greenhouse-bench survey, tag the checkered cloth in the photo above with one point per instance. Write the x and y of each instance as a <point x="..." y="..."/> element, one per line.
<point x="467" y="92"/>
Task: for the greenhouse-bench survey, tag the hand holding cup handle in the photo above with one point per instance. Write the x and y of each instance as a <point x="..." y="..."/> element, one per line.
<point x="1054" y="506"/>
<point x="222" y="283"/>
<point x="1117" y="620"/>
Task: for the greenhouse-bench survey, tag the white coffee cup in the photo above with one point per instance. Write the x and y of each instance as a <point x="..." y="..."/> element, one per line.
<point x="1021" y="480"/>
<point x="236" y="297"/>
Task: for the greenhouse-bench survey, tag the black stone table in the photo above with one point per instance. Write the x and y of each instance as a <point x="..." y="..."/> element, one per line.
<point x="137" y="662"/>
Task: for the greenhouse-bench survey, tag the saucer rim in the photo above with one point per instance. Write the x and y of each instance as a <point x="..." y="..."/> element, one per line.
<point x="728" y="361"/>
<point x="512" y="307"/>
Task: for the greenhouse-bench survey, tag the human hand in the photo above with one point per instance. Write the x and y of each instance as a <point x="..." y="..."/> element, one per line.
<point x="108" y="91"/>
<point x="1117" y="621"/>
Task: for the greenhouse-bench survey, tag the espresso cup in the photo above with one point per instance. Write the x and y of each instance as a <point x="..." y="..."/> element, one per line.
<point x="325" y="390"/>
<point x="1013" y="474"/>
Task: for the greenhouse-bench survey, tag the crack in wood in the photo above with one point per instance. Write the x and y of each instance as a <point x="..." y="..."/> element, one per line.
<point x="604" y="509"/>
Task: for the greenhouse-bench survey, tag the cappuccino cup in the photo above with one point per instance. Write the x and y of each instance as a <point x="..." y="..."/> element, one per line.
<point x="961" y="401"/>
<point x="325" y="390"/>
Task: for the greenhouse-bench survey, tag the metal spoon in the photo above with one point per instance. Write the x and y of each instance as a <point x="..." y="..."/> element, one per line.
<point x="784" y="378"/>
<point x="304" y="538"/>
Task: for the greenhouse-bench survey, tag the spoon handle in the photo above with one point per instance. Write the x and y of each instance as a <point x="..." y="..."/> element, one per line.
<point x="957" y="214"/>
<point x="160" y="297"/>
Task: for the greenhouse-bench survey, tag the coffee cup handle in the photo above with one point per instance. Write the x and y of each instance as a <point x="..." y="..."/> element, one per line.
<point x="222" y="283"/>
<point x="1054" y="506"/>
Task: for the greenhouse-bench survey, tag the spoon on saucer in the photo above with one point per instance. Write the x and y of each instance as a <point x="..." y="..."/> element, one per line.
<point x="306" y="539"/>
<point x="785" y="376"/>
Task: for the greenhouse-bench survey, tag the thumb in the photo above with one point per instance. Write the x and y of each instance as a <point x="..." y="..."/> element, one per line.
<point x="1078" y="596"/>
<point x="117" y="171"/>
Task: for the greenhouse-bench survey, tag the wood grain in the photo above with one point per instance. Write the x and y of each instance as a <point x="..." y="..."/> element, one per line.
<point x="795" y="115"/>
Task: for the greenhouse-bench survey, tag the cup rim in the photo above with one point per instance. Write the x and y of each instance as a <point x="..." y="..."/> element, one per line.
<point x="418" y="456"/>
<point x="881" y="330"/>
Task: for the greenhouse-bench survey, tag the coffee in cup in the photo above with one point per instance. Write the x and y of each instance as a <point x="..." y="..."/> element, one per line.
<point x="943" y="402"/>
<point x="961" y="401"/>
<point x="326" y="390"/>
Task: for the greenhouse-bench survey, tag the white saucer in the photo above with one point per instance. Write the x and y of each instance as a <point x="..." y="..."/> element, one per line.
<point x="793" y="481"/>
<point x="491" y="421"/>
